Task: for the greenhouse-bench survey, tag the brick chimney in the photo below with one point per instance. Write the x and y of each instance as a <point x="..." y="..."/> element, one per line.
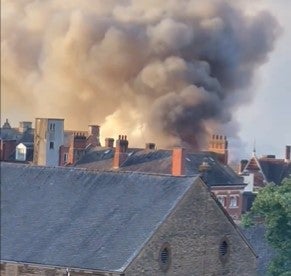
<point x="178" y="161"/>
<point x="120" y="151"/>
<point x="93" y="135"/>
<point x="288" y="153"/>
<point x="219" y="145"/>
<point x="150" y="146"/>
<point x="77" y="147"/>
<point x="109" y="142"/>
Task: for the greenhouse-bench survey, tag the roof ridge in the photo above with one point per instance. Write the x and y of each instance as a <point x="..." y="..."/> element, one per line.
<point x="79" y="169"/>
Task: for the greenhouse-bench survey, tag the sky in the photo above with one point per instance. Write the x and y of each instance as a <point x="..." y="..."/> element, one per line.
<point x="265" y="121"/>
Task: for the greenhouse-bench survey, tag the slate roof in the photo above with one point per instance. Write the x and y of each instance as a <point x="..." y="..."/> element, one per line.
<point x="160" y="161"/>
<point x="275" y="170"/>
<point x="72" y="217"/>
<point x="271" y="169"/>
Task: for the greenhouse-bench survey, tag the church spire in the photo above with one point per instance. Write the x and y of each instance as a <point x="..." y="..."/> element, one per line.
<point x="254" y="148"/>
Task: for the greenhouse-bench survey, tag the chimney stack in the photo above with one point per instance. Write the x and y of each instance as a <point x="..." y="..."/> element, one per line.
<point x="150" y="146"/>
<point x="219" y="145"/>
<point x="178" y="161"/>
<point x="288" y="153"/>
<point x="109" y="142"/>
<point x="93" y="135"/>
<point x="24" y="126"/>
<point x="120" y="151"/>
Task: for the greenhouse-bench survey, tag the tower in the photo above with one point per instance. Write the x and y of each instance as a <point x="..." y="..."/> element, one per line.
<point x="48" y="137"/>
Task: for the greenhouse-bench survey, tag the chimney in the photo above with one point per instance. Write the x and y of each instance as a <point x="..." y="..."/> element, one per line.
<point x="109" y="142"/>
<point x="24" y="126"/>
<point x="93" y="135"/>
<point x="242" y="165"/>
<point x="288" y="153"/>
<point x="120" y="151"/>
<point x="178" y="159"/>
<point x="150" y="146"/>
<point x="219" y="145"/>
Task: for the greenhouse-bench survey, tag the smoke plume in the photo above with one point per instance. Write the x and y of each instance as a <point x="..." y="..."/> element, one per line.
<point x="168" y="71"/>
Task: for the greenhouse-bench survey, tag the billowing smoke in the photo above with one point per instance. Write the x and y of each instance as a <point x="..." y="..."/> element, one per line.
<point x="165" y="71"/>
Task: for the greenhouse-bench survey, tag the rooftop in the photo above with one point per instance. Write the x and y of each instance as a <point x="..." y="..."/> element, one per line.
<point x="160" y="161"/>
<point x="80" y="218"/>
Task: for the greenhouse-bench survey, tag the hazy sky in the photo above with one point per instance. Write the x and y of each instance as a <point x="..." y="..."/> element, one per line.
<point x="266" y="119"/>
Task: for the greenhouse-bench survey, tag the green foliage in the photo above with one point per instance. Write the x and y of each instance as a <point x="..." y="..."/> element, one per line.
<point x="273" y="206"/>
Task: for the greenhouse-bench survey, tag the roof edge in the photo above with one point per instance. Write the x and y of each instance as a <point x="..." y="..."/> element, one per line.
<point x="234" y="225"/>
<point x="179" y="199"/>
<point x="77" y="269"/>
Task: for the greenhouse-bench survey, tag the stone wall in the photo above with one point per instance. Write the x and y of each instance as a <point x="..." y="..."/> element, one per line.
<point x="194" y="232"/>
<point x="17" y="269"/>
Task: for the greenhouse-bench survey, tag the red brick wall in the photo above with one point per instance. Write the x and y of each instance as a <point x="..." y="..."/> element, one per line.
<point x="230" y="197"/>
<point x="7" y="148"/>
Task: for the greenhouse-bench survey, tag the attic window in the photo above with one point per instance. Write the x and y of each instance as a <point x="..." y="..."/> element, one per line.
<point x="165" y="257"/>
<point x="223" y="249"/>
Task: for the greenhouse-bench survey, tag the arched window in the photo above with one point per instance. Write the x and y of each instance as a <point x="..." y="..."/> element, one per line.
<point x="165" y="257"/>
<point x="223" y="249"/>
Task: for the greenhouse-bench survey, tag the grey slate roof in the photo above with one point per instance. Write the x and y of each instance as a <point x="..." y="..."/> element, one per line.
<point x="160" y="161"/>
<point x="72" y="217"/>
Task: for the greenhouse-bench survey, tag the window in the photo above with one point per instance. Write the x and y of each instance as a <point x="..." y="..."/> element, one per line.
<point x="165" y="257"/>
<point x="65" y="157"/>
<point x="233" y="201"/>
<point x="222" y="200"/>
<point x="51" y="145"/>
<point x="223" y="249"/>
<point x="52" y="126"/>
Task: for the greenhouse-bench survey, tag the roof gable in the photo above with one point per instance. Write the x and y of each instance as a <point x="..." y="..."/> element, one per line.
<point x="275" y="170"/>
<point x="72" y="217"/>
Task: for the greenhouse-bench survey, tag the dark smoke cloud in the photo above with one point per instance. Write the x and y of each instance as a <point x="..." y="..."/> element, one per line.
<point x="169" y="71"/>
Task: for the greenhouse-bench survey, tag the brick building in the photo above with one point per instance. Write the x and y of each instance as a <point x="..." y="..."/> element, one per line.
<point x="259" y="171"/>
<point x="10" y="137"/>
<point x="115" y="223"/>
<point x="75" y="144"/>
<point x="222" y="180"/>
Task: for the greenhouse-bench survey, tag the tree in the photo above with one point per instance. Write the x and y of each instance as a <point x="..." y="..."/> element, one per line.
<point x="273" y="206"/>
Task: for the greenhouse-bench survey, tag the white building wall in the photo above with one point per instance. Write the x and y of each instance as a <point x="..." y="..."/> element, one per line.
<point x="249" y="180"/>
<point x="49" y="136"/>
<point x="55" y="139"/>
